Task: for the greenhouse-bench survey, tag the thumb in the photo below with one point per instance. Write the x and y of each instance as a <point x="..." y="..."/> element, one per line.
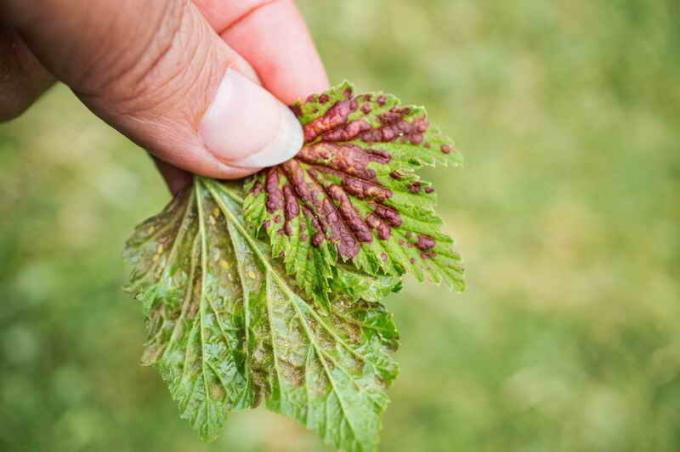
<point x="156" y="71"/>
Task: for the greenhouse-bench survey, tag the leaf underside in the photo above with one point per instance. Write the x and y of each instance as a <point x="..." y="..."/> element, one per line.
<point x="350" y="202"/>
<point x="228" y="329"/>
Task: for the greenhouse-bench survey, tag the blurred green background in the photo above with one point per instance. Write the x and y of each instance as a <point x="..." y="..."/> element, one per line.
<point x="567" y="212"/>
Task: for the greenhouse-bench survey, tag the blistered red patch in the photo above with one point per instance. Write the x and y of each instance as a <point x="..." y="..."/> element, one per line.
<point x="274" y="193"/>
<point x="333" y="169"/>
<point x="414" y="187"/>
<point x="425" y="242"/>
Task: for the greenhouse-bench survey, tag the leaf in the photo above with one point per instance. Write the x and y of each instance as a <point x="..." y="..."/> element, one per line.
<point x="351" y="195"/>
<point x="228" y="329"/>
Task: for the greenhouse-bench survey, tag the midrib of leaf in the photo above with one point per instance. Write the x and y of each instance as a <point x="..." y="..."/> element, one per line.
<point x="319" y="353"/>
<point x="328" y="374"/>
<point x="293" y="301"/>
<point x="186" y="367"/>
<point x="239" y="263"/>
<point x="204" y="267"/>
<point x="185" y="304"/>
<point x="246" y="301"/>
<point x="204" y="271"/>
<point x="271" y="329"/>
<point x="187" y="296"/>
<point x="233" y="220"/>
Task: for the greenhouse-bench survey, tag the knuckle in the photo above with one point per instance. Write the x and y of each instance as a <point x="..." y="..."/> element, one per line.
<point x="12" y="108"/>
<point x="22" y="79"/>
<point x="159" y="68"/>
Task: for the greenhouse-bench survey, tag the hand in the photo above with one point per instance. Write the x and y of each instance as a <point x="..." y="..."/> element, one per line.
<point x="184" y="79"/>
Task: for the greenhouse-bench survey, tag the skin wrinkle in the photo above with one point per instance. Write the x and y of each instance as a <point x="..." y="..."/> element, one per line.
<point x="220" y="16"/>
<point x="169" y="26"/>
<point x="137" y="76"/>
<point x="104" y="55"/>
<point x="246" y="14"/>
<point x="39" y="21"/>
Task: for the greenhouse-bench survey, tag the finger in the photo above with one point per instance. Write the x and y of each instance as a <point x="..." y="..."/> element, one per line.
<point x="273" y="37"/>
<point x="164" y="78"/>
<point x="22" y="78"/>
<point x="175" y="178"/>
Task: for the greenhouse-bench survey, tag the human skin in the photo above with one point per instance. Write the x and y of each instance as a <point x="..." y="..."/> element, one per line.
<point x="202" y="84"/>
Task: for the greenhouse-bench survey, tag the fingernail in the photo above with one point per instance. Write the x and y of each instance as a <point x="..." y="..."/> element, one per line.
<point x="247" y="127"/>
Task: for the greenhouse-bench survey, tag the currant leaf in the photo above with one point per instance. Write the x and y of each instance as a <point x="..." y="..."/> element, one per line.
<point x="351" y="198"/>
<point x="227" y="327"/>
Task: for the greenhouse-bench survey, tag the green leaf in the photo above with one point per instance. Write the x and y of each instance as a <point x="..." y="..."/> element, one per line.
<point x="351" y="196"/>
<point x="227" y="328"/>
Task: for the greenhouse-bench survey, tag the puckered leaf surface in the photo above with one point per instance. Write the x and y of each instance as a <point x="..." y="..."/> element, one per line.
<point x="351" y="199"/>
<point x="227" y="327"/>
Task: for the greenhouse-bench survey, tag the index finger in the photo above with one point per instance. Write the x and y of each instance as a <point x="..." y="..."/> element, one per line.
<point x="273" y="37"/>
